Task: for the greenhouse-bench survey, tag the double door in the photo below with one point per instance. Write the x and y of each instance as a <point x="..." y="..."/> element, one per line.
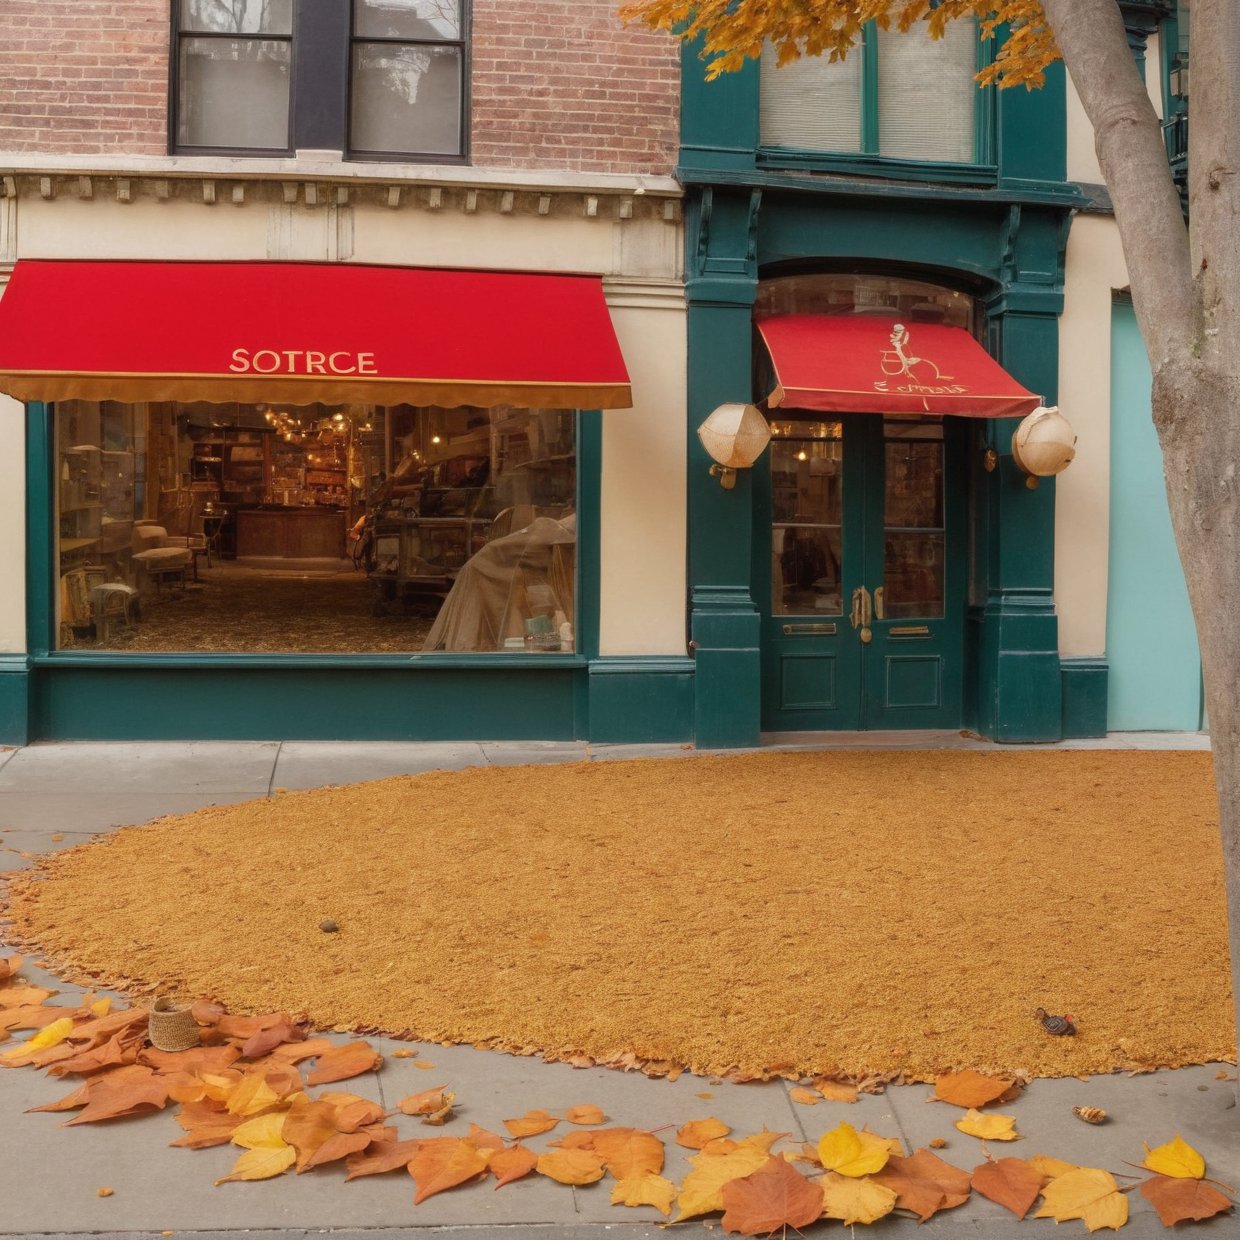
<point x="861" y="573"/>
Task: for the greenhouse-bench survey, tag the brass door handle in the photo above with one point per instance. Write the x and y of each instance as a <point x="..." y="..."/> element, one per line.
<point x="857" y="614"/>
<point x="880" y="608"/>
<point x="862" y="614"/>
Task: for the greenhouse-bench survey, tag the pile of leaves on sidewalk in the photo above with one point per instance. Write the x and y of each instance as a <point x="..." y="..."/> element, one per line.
<point x="244" y="1085"/>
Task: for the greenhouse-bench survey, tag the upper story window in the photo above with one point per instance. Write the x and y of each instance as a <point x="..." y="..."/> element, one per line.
<point x="896" y="96"/>
<point x="369" y="78"/>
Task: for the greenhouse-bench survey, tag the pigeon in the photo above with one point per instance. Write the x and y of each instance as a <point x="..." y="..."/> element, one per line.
<point x="1058" y="1025"/>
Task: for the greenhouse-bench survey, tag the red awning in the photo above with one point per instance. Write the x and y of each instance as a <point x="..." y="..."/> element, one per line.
<point x="872" y="363"/>
<point x="304" y="332"/>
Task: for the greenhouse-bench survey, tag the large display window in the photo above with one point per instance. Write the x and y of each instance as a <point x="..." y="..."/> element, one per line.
<point x="229" y="528"/>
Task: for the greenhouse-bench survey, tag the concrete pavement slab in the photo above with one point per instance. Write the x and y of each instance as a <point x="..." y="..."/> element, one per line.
<point x="533" y="753"/>
<point x="316" y="764"/>
<point x="155" y="767"/>
<point x="83" y="812"/>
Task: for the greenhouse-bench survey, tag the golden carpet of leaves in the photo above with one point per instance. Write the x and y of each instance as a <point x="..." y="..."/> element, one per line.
<point x="837" y="915"/>
<point x="243" y="1084"/>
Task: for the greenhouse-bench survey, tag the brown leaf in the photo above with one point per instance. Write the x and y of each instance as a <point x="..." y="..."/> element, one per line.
<point x="380" y="1157"/>
<point x="442" y="1163"/>
<point x="970" y="1089"/>
<point x="343" y="1062"/>
<point x="353" y="1113"/>
<point x="773" y="1197"/>
<point x="295" y="1052"/>
<point x="628" y="1153"/>
<point x="574" y="1141"/>
<point x="530" y="1124"/>
<point x="587" y="1114"/>
<point x="207" y="1013"/>
<point x="195" y="1060"/>
<point x="512" y="1164"/>
<point x="29" y="1016"/>
<point x="9" y="966"/>
<point x="122" y="1091"/>
<point x="215" y="1128"/>
<point x="571" y="1166"/>
<point x="1179" y="1200"/>
<point x="110" y="1054"/>
<point x="264" y="1041"/>
<point x="699" y="1133"/>
<point x="806" y="1097"/>
<point x="425" y="1103"/>
<point x="339" y="1145"/>
<point x="13" y="995"/>
<point x="70" y="1102"/>
<point x="924" y="1183"/>
<point x="307" y="1126"/>
<point x="1012" y="1182"/>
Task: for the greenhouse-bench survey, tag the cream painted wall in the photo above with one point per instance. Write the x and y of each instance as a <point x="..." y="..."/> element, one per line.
<point x="12" y="526"/>
<point x="1082" y="162"/>
<point x="1095" y="268"/>
<point x="644" y="524"/>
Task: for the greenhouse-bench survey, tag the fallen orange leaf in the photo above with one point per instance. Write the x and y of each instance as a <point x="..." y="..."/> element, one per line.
<point x="1180" y="1200"/>
<point x="442" y="1163"/>
<point x="122" y="1091"/>
<point x="1012" y="1182"/>
<point x="513" y="1163"/>
<point x="924" y="1183"/>
<point x="342" y="1062"/>
<point x="381" y="1156"/>
<point x="699" y="1133"/>
<point x="425" y="1103"/>
<point x="628" y="1153"/>
<point x="806" y="1097"/>
<point x="571" y="1166"/>
<point x="970" y="1089"/>
<point x="585" y="1115"/>
<point x="773" y="1197"/>
<point x="645" y="1190"/>
<point x="530" y="1124"/>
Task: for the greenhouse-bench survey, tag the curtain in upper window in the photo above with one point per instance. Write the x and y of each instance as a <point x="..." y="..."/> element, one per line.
<point x="898" y="96"/>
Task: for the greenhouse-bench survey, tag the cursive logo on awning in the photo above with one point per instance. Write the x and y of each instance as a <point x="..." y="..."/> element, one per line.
<point x="922" y="376"/>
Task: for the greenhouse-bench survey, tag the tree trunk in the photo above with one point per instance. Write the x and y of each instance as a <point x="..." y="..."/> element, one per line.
<point x="1197" y="413"/>
<point x="1186" y="292"/>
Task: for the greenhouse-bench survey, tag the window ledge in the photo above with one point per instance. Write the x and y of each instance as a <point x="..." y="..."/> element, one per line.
<point x="878" y="166"/>
<point x="490" y="661"/>
<point x="343" y="171"/>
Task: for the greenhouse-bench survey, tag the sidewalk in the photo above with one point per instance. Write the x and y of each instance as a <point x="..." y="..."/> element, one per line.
<point x="49" y="1176"/>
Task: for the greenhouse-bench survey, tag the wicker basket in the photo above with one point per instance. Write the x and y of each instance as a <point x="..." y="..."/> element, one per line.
<point x="172" y="1027"/>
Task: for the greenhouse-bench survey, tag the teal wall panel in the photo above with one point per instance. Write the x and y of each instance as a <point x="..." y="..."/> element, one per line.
<point x="1155" y="681"/>
<point x="14" y="700"/>
<point x="1084" y="686"/>
<point x="303" y="703"/>
<point x="641" y="700"/>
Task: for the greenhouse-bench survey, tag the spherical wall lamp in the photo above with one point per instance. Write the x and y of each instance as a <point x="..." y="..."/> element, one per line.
<point x="734" y="436"/>
<point x="1043" y="444"/>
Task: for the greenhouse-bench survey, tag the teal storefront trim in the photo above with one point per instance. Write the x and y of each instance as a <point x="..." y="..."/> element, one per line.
<point x="1084" y="697"/>
<point x="81" y="695"/>
<point x="1001" y="242"/>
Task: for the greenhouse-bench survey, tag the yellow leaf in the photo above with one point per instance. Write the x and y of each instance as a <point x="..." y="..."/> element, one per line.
<point x="586" y="1114"/>
<point x="854" y="1200"/>
<point x="1087" y="1193"/>
<point x="699" y="1133"/>
<point x="645" y="1190"/>
<point x="101" y="1007"/>
<point x="853" y="1153"/>
<point x="50" y="1035"/>
<point x="989" y="1127"/>
<point x="261" y="1164"/>
<point x="251" y="1096"/>
<point x="263" y="1132"/>
<point x="702" y="1190"/>
<point x="1177" y="1158"/>
<point x="1050" y="1167"/>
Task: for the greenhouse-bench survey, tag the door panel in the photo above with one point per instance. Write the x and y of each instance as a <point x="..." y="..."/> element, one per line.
<point x="862" y="595"/>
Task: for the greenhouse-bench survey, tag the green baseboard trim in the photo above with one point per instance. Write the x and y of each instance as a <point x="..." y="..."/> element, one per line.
<point x="635" y="700"/>
<point x="14" y="699"/>
<point x="1084" y="683"/>
<point x="416" y="703"/>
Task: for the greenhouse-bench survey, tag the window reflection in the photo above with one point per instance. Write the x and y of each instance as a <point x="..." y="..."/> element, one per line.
<point x="330" y="529"/>
<point x="914" y="536"/>
<point x="807" y="489"/>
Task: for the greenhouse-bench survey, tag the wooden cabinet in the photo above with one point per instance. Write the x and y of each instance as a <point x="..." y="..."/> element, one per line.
<point x="290" y="534"/>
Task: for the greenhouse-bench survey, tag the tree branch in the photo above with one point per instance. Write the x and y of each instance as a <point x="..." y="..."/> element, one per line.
<point x="1129" y="141"/>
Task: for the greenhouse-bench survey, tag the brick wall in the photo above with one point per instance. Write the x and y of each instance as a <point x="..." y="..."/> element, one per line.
<point x="562" y="84"/>
<point x="84" y="76"/>
<point x="558" y="84"/>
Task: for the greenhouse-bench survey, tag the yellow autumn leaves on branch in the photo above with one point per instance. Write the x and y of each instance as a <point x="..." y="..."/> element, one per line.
<point x="733" y="33"/>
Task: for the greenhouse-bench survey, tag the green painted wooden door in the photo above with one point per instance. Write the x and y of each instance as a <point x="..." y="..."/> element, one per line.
<point x="861" y="574"/>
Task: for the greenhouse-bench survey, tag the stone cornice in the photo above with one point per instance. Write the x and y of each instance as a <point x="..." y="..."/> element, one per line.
<point x="319" y="182"/>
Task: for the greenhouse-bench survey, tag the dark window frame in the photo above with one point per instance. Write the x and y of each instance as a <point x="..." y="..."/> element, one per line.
<point x="321" y="85"/>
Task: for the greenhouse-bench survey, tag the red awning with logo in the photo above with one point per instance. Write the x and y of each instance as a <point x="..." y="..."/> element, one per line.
<point x="299" y="333"/>
<point x="870" y="363"/>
